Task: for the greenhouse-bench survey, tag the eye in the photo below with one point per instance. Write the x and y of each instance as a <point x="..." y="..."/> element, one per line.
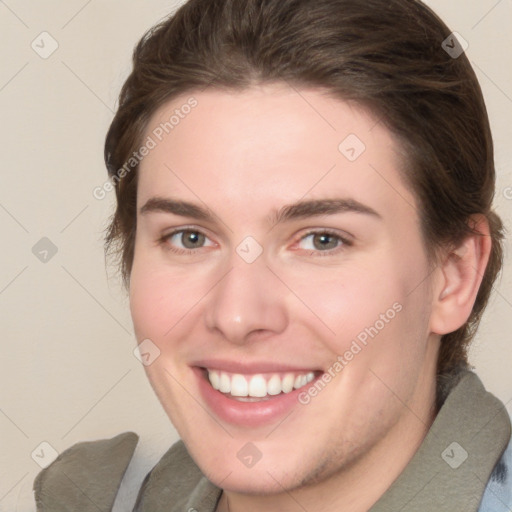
<point x="189" y="241"/>
<point x="185" y="241"/>
<point x="323" y="241"/>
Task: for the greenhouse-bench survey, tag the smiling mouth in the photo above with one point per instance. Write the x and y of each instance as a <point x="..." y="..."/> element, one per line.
<point x="257" y="387"/>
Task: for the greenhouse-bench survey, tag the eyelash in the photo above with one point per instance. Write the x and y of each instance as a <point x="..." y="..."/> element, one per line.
<point x="164" y="241"/>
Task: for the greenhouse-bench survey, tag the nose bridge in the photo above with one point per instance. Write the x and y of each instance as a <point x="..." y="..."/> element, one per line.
<point x="247" y="298"/>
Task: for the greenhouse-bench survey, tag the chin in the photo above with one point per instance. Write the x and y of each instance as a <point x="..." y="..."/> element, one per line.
<point x="268" y="481"/>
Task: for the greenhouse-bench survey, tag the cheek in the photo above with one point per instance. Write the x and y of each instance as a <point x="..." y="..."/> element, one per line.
<point x="344" y="301"/>
<point x="148" y="319"/>
<point x="161" y="298"/>
<point x="379" y="302"/>
<point x="153" y="301"/>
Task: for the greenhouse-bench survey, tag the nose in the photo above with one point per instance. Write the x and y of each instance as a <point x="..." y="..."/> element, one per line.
<point x="248" y="299"/>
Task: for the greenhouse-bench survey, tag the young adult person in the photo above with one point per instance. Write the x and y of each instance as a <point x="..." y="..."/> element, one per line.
<point x="304" y="223"/>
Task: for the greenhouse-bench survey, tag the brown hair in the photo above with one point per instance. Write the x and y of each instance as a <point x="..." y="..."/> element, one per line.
<point x="386" y="55"/>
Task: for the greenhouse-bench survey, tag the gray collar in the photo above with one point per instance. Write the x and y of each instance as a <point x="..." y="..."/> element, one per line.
<point x="455" y="460"/>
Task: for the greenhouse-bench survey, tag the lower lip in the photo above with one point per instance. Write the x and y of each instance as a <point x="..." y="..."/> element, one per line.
<point x="248" y="414"/>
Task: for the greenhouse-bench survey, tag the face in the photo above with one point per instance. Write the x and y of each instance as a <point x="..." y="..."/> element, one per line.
<point x="280" y="272"/>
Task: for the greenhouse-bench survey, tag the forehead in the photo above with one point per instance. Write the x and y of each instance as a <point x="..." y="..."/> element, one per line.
<point x="269" y="144"/>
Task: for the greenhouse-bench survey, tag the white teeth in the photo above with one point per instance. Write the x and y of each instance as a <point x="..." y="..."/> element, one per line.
<point x="257" y="386"/>
<point x="239" y="386"/>
<point x="214" y="380"/>
<point x="225" y="383"/>
<point x="287" y="383"/>
<point x="274" y="386"/>
<point x="302" y="380"/>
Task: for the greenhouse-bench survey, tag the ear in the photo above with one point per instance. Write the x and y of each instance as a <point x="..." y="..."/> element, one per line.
<point x="458" y="279"/>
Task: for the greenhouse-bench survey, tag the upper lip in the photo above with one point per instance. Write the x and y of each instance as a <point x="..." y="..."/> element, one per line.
<point x="252" y="367"/>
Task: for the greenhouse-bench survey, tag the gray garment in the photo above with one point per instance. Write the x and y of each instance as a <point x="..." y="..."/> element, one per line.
<point x="449" y="472"/>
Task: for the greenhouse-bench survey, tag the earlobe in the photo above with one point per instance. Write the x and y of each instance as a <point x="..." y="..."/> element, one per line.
<point x="459" y="278"/>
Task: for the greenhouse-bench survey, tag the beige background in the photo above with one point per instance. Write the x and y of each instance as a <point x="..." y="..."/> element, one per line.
<point x="67" y="364"/>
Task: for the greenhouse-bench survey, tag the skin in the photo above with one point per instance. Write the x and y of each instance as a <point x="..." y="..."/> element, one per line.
<point x="243" y="155"/>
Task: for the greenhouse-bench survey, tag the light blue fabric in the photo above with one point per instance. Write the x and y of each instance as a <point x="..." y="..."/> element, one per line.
<point x="498" y="492"/>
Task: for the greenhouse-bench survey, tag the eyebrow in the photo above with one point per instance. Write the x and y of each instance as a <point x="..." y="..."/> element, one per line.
<point x="299" y="210"/>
